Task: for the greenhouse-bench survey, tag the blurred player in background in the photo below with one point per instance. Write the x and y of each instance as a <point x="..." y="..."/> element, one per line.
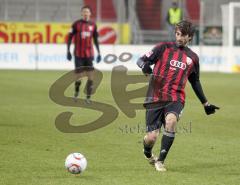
<point x="174" y="16"/>
<point x="84" y="32"/>
<point x="174" y="64"/>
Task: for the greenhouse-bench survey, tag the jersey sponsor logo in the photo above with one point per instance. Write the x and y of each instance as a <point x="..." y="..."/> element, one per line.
<point x="90" y="28"/>
<point x="178" y="64"/>
<point x="189" y="61"/>
<point x="86" y="34"/>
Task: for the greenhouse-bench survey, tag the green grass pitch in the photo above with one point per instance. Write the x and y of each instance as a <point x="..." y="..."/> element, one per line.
<point x="32" y="151"/>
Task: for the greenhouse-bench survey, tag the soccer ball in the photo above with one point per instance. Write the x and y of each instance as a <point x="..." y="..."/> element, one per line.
<point x="75" y="163"/>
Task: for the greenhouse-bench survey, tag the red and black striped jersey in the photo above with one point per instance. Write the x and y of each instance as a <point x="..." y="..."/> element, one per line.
<point x="84" y="32"/>
<point x="173" y="66"/>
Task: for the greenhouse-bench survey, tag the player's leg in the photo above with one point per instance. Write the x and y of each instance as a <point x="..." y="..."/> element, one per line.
<point x="167" y="140"/>
<point x="148" y="143"/>
<point x="90" y="76"/>
<point x="152" y="127"/>
<point x="172" y="112"/>
<point x="168" y="135"/>
<point x="77" y="87"/>
<point x="79" y="74"/>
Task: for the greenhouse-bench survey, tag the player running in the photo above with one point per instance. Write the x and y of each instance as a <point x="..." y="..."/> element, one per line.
<point x="174" y="64"/>
<point x="84" y="32"/>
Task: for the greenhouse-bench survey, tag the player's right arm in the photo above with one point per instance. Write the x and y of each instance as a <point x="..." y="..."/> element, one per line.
<point x="69" y="41"/>
<point x="149" y="59"/>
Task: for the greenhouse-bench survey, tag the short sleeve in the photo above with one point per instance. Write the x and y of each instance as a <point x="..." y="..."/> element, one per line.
<point x="196" y="68"/>
<point x="73" y="29"/>
<point x="153" y="55"/>
<point x="95" y="32"/>
<point x="194" y="76"/>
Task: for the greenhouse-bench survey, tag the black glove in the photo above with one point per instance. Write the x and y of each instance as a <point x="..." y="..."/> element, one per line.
<point x="99" y="58"/>
<point x="69" y="56"/>
<point x="210" y="109"/>
<point x="147" y="69"/>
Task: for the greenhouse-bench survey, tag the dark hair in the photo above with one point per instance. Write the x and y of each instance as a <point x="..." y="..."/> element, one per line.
<point x="86" y="7"/>
<point x="174" y="3"/>
<point x="186" y="28"/>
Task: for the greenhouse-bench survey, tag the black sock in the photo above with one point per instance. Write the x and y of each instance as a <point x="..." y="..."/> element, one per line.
<point x="89" y="87"/>
<point x="77" y="85"/>
<point x="147" y="149"/>
<point x="167" y="141"/>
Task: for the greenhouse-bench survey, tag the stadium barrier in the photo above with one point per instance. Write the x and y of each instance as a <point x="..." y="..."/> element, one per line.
<point x="53" y="57"/>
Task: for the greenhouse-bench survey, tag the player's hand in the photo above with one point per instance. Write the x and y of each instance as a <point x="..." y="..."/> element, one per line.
<point x="69" y="56"/>
<point x="99" y="58"/>
<point x="147" y="70"/>
<point x="210" y="109"/>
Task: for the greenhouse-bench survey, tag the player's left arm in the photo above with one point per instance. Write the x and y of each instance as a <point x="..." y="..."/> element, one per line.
<point x="197" y="87"/>
<point x="96" y="43"/>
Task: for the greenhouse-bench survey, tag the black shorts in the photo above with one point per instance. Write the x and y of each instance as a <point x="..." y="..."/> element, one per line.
<point x="155" y="117"/>
<point x="83" y="64"/>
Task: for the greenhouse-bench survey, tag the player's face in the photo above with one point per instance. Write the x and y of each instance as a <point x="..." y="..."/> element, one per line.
<point x="86" y="14"/>
<point x="181" y="39"/>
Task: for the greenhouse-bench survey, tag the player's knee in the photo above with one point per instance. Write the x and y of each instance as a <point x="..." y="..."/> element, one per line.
<point x="151" y="137"/>
<point x="90" y="75"/>
<point x="90" y="84"/>
<point x="171" y="121"/>
<point x="78" y="83"/>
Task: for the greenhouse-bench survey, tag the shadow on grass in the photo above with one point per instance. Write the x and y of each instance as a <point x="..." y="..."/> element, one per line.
<point x="198" y="167"/>
<point x="67" y="176"/>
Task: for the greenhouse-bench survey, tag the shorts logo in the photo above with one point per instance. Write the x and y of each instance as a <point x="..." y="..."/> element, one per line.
<point x="175" y="63"/>
<point x="148" y="54"/>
